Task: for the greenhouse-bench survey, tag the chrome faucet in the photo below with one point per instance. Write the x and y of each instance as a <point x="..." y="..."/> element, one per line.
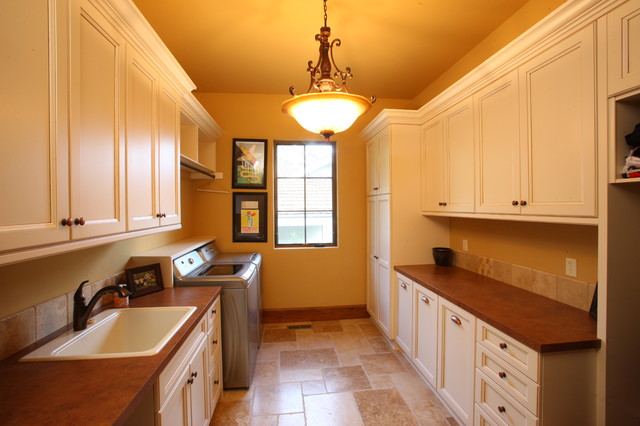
<point x="81" y="312"/>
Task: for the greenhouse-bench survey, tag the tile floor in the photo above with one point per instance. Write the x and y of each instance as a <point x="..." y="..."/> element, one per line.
<point x="333" y="373"/>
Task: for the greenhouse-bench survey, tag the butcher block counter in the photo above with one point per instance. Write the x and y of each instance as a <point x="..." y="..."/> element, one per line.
<point x="98" y="391"/>
<point x="540" y="323"/>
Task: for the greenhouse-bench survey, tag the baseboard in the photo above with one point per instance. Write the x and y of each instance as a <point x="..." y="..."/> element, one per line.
<point x="325" y="313"/>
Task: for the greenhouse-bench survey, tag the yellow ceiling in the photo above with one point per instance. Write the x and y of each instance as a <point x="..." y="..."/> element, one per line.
<point x="395" y="48"/>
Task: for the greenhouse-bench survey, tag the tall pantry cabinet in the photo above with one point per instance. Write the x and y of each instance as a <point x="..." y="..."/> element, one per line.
<point x="397" y="231"/>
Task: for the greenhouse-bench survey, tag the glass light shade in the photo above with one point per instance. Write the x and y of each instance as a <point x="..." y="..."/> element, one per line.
<point x="326" y="112"/>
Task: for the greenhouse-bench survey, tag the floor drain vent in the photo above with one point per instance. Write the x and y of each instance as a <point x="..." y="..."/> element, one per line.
<point x="296" y="327"/>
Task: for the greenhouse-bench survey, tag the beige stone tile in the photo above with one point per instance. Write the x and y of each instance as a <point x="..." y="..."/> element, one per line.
<point x="309" y="358"/>
<point x="278" y="335"/>
<point x="380" y="344"/>
<point x="459" y="259"/>
<point x="264" y="420"/>
<point x="345" y="379"/>
<point x="544" y="284"/>
<point x="574" y="293"/>
<point x="271" y="351"/>
<point x="349" y="359"/>
<point x="485" y="266"/>
<point x="231" y="395"/>
<point x="314" y="387"/>
<point x="522" y="277"/>
<point x="351" y="342"/>
<point x="296" y="419"/>
<point x="266" y="373"/>
<point x="385" y="363"/>
<point x="370" y="330"/>
<point x="472" y="262"/>
<point x="332" y="409"/>
<point x="433" y="415"/>
<point x="288" y="375"/>
<point x="277" y="399"/>
<point x="350" y="327"/>
<point x="314" y="341"/>
<point x="383" y="407"/>
<point x="502" y="271"/>
<point x="51" y="316"/>
<point x="17" y="331"/>
<point x="414" y="390"/>
<point x="326" y="326"/>
<point x="231" y="413"/>
<point x="382" y="381"/>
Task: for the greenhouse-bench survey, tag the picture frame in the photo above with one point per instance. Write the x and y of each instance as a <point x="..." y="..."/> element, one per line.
<point x="143" y="280"/>
<point x="249" y="163"/>
<point x="250" y="217"/>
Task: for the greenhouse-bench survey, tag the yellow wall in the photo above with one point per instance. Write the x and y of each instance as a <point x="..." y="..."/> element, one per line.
<point x="292" y="277"/>
<point x="32" y="282"/>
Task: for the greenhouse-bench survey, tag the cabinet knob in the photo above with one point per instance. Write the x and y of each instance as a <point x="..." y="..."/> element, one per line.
<point x="194" y="374"/>
<point x="503" y="346"/>
<point x="66" y="222"/>
<point x="455" y="319"/>
<point x="502" y="374"/>
<point x="501" y="409"/>
<point x="425" y="299"/>
<point x="375" y="188"/>
<point x="190" y="381"/>
<point x="523" y="203"/>
<point x="79" y="221"/>
<point x="403" y="285"/>
<point x="376" y="257"/>
<point x="163" y="215"/>
<point x="213" y="311"/>
<point x="215" y="342"/>
<point x="158" y="215"/>
<point x="444" y="204"/>
<point x="215" y="382"/>
<point x="514" y="203"/>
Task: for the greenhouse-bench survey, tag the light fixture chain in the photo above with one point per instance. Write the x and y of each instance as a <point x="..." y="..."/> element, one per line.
<point x="325" y="13"/>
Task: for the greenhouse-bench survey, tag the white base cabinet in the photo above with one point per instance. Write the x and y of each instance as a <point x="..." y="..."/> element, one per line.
<point x="405" y="313"/>
<point x="425" y="333"/>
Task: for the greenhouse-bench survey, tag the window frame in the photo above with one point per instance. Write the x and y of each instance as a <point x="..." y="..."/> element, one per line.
<point x="334" y="189"/>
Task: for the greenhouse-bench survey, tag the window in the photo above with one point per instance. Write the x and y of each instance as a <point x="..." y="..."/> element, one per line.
<point x="305" y="195"/>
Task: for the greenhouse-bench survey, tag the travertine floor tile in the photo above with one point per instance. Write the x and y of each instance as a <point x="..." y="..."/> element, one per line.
<point x="309" y="358"/>
<point x="284" y="398"/>
<point x="266" y="373"/>
<point x="345" y="379"/>
<point x="231" y="413"/>
<point x="349" y="342"/>
<point x="384" y="363"/>
<point x="314" y="341"/>
<point x="332" y="409"/>
<point x="326" y="326"/>
<point x="296" y="419"/>
<point x="288" y="375"/>
<point x="383" y="407"/>
<point x="278" y="335"/>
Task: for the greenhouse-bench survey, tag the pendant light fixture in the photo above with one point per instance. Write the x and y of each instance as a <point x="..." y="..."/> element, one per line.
<point x="327" y="107"/>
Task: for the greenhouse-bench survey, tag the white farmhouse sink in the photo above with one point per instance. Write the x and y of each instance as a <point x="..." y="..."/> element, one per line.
<point x="117" y="333"/>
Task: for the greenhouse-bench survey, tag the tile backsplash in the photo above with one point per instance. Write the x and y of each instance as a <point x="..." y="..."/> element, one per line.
<point x="557" y="287"/>
<point x="29" y="325"/>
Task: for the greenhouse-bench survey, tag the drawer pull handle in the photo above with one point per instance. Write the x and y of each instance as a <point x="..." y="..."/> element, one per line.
<point x="456" y="319"/>
<point x="502" y="374"/>
<point x="425" y="299"/>
<point x="501" y="409"/>
<point x="503" y="346"/>
<point x="403" y="285"/>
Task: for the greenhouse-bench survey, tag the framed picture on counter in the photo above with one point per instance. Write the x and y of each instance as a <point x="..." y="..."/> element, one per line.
<point x="249" y="163"/>
<point x="144" y="280"/>
<point x="250" y="217"/>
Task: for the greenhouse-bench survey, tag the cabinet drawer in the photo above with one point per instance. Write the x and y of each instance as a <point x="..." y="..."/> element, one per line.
<point x="212" y="314"/>
<point x="516" y="384"/>
<point x="174" y="370"/>
<point x="501" y="407"/>
<point x="520" y="356"/>
<point x="480" y="418"/>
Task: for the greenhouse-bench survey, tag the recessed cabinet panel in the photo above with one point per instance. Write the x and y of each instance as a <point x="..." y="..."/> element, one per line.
<point x="96" y="144"/>
<point x="33" y="141"/>
<point x="378" y="167"/>
<point x="168" y="157"/>
<point x="425" y="352"/>
<point x="558" y="143"/>
<point x="432" y="166"/>
<point x="405" y="314"/>
<point x="498" y="147"/>
<point x="459" y="188"/>
<point x="623" y="26"/>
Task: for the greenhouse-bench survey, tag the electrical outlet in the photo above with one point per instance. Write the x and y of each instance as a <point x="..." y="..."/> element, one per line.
<point x="465" y="245"/>
<point x="571" y="267"/>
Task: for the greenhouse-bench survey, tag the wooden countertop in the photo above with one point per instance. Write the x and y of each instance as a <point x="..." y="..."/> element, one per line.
<point x="540" y="323"/>
<point x="99" y="391"/>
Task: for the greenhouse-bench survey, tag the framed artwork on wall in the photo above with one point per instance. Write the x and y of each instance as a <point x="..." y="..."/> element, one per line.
<point x="249" y="166"/>
<point x="250" y="217"/>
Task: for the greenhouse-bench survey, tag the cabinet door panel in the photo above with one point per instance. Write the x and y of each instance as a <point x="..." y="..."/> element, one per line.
<point x="559" y="142"/>
<point x="459" y="174"/>
<point x="372" y="242"/>
<point x="404" y="313"/>
<point x="168" y="157"/>
<point x="373" y="157"/>
<point x="384" y="170"/>
<point x="383" y="252"/>
<point x="96" y="143"/>
<point x="198" y="395"/>
<point x="142" y="197"/>
<point x="425" y="352"/>
<point x="623" y="26"/>
<point x="498" y="148"/>
<point x="33" y="141"/>
<point x="432" y="166"/>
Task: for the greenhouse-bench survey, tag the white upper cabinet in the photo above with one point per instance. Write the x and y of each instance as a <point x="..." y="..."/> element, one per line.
<point x="447" y="153"/>
<point x="33" y="141"/>
<point x="558" y="149"/>
<point x="378" y="163"/>
<point x="498" y="147"/>
<point x="623" y="26"/>
<point x="169" y="156"/>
